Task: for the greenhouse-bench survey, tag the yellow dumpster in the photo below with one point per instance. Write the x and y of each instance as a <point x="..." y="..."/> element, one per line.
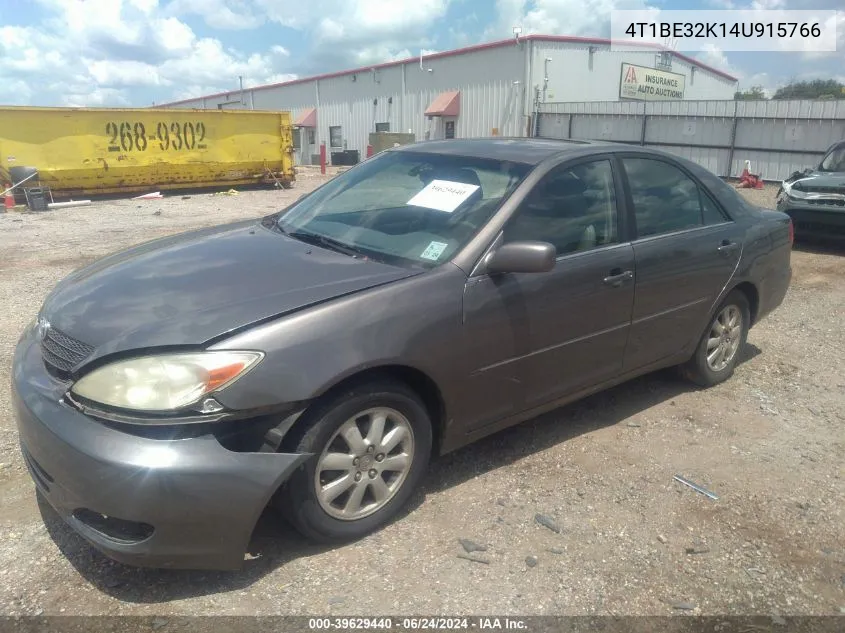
<point x="89" y="151"/>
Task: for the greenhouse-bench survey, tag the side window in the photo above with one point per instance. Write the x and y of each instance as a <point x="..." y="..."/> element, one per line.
<point x="574" y="208"/>
<point x="710" y="212"/>
<point x="666" y="199"/>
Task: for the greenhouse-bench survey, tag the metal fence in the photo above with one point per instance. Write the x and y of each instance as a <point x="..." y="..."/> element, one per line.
<point x="778" y="137"/>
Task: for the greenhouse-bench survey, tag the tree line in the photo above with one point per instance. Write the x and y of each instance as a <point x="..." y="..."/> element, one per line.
<point x="814" y="89"/>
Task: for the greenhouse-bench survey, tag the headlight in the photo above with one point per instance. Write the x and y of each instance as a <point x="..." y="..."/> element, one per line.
<point x="164" y="382"/>
<point x="787" y="190"/>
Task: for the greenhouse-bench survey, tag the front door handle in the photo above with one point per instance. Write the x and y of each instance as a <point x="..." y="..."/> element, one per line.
<point x="727" y="247"/>
<point x="618" y="277"/>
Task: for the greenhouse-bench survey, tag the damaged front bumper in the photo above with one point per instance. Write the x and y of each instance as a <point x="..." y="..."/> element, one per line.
<point x="183" y="503"/>
<point x="816" y="210"/>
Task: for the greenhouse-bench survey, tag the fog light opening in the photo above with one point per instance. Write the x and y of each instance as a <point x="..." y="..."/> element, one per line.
<point x="114" y="528"/>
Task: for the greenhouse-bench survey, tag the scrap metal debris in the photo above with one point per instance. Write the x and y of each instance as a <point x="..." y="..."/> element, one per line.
<point x="471" y="546"/>
<point x="696" y="487"/>
<point x="474" y="558"/>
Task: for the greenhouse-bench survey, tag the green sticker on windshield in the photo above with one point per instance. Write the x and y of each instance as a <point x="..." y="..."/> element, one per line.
<point x="434" y="250"/>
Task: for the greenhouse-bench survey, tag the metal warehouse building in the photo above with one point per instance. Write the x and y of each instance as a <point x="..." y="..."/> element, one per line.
<point x="490" y="89"/>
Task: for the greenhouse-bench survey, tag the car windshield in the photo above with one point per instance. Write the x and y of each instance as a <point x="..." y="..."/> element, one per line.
<point x="835" y="159"/>
<point x="404" y="208"/>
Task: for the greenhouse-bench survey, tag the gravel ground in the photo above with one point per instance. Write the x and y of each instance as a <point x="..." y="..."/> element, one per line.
<point x="626" y="538"/>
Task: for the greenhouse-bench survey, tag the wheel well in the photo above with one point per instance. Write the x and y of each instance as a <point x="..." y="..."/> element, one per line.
<point x="416" y="380"/>
<point x="753" y="296"/>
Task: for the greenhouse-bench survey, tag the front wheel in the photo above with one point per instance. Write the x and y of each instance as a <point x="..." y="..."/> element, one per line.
<point x="371" y="447"/>
<point x="720" y="346"/>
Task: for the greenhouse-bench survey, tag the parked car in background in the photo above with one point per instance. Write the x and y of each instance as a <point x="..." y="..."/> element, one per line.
<point x="815" y="198"/>
<point x="317" y="358"/>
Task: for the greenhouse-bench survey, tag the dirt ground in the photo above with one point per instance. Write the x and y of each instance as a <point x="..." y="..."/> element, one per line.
<point x="769" y="442"/>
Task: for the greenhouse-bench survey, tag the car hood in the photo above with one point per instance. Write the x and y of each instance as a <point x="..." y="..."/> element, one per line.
<point x="815" y="185"/>
<point x="190" y="288"/>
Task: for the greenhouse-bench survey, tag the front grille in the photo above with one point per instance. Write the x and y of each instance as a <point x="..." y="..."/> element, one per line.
<point x="63" y="352"/>
<point x="829" y="202"/>
<point x="818" y="189"/>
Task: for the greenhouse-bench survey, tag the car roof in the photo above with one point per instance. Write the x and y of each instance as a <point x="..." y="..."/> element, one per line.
<point x="531" y="151"/>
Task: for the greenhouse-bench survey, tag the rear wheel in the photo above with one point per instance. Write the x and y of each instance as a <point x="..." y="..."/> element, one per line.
<point x="371" y="447"/>
<point x="722" y="343"/>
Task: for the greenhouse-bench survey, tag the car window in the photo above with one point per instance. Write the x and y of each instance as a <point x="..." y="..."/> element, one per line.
<point x="666" y="199"/>
<point x="835" y="159"/>
<point x="403" y="207"/>
<point x="710" y="211"/>
<point x="573" y="208"/>
<point x="390" y="187"/>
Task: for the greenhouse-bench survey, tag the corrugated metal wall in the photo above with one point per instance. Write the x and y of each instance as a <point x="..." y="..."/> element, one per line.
<point x="778" y="137"/>
<point x="491" y="83"/>
<point x="496" y="86"/>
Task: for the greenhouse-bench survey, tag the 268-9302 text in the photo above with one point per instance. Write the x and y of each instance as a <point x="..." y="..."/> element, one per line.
<point x="171" y="136"/>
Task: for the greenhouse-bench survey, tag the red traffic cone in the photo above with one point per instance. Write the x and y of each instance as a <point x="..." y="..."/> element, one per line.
<point x="9" y="200"/>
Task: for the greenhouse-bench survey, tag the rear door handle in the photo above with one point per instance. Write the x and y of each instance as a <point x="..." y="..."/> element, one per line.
<point x="618" y="277"/>
<point x="727" y="247"/>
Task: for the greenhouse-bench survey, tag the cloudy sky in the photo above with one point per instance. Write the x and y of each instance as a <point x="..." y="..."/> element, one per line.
<point x="137" y="52"/>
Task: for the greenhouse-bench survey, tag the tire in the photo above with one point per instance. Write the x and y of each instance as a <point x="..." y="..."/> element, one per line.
<point x="707" y="374"/>
<point x="323" y="432"/>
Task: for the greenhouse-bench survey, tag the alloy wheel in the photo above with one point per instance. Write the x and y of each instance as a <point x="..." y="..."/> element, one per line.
<point x="364" y="463"/>
<point x="724" y="338"/>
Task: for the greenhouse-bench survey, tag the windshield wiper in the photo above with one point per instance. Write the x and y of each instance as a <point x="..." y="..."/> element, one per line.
<point x="325" y="242"/>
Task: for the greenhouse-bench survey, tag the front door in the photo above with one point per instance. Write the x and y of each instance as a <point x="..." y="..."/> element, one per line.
<point x="686" y="251"/>
<point x="539" y="337"/>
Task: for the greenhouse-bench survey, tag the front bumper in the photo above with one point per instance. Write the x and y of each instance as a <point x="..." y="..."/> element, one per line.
<point x="187" y="503"/>
<point x="814" y="218"/>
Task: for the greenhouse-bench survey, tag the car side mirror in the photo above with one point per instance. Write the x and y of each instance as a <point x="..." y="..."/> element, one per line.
<point x="522" y="257"/>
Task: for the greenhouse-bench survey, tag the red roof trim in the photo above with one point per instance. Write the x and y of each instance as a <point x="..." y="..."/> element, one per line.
<point x="571" y="39"/>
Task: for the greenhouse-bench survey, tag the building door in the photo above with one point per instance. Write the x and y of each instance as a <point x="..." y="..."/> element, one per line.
<point x="304" y="145"/>
<point x="309" y="145"/>
<point x="298" y="146"/>
<point x="449" y="127"/>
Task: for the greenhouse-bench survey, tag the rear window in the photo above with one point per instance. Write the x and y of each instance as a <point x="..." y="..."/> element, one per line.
<point x="835" y="159"/>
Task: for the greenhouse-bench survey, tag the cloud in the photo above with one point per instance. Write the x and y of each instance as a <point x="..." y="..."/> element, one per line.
<point x="96" y="97"/>
<point x="219" y="14"/>
<point x="715" y="57"/>
<point x="116" y="52"/>
<point x="558" y="17"/>
<point x="344" y="34"/>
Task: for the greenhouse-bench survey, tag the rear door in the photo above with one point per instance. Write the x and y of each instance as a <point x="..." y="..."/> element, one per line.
<point x="686" y="249"/>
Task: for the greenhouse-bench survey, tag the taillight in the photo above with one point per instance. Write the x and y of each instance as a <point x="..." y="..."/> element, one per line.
<point x="791" y="232"/>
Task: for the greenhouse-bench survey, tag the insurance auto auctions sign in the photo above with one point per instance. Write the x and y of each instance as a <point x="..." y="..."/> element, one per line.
<point x="648" y="84"/>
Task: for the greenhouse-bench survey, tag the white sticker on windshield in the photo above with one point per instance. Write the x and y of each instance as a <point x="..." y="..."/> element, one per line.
<point x="443" y="195"/>
<point x="434" y="250"/>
